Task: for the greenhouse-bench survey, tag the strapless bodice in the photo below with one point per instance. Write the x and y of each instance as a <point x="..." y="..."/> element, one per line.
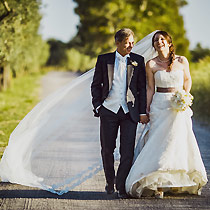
<point x="174" y="78"/>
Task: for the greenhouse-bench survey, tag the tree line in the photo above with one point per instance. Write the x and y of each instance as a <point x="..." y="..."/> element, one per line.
<point x="99" y="20"/>
<point x="21" y="47"/>
<point x="23" y="50"/>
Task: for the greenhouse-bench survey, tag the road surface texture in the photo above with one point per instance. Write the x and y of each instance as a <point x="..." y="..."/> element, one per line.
<point x="90" y="194"/>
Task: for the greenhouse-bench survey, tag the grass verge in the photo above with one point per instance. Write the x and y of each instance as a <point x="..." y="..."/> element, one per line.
<point x="200" y="73"/>
<point x="15" y="103"/>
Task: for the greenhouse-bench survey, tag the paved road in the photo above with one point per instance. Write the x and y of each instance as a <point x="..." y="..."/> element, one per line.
<point x="91" y="195"/>
<point x="55" y="79"/>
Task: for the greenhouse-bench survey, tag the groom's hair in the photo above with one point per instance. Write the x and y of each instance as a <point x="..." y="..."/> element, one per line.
<point x="122" y="34"/>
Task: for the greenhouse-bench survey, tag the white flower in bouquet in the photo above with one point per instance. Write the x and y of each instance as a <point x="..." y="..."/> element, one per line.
<point x="181" y="100"/>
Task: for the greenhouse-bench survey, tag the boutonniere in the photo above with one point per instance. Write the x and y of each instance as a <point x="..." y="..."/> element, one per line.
<point x="134" y="63"/>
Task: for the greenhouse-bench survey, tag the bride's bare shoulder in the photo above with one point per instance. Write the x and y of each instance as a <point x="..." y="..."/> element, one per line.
<point x="181" y="59"/>
<point x="151" y="63"/>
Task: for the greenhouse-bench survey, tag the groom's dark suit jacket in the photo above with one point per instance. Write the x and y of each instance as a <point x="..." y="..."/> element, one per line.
<point x="136" y="83"/>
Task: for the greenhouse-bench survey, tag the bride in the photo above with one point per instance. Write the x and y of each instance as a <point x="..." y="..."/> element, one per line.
<point x="170" y="160"/>
<point x="55" y="149"/>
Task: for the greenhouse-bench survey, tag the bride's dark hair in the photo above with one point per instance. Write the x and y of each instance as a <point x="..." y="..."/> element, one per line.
<point x="171" y="47"/>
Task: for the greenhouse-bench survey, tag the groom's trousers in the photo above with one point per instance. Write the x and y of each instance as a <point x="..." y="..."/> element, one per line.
<point x="109" y="125"/>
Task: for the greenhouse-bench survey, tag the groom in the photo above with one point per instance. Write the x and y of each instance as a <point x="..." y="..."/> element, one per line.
<point x="119" y="99"/>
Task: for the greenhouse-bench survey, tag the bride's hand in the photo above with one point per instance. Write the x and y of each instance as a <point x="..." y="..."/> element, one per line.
<point x="144" y="119"/>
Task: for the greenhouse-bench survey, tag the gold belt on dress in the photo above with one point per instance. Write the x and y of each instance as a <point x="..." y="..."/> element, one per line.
<point x="166" y="90"/>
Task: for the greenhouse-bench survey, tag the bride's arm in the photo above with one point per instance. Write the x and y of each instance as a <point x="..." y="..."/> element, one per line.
<point x="150" y="84"/>
<point x="187" y="76"/>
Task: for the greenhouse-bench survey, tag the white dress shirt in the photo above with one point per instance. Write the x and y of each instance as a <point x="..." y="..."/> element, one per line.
<point x="117" y="94"/>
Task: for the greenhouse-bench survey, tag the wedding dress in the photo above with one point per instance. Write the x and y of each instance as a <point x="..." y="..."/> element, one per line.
<point x="170" y="158"/>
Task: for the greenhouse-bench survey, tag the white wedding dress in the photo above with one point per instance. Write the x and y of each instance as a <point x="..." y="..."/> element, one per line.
<point x="170" y="158"/>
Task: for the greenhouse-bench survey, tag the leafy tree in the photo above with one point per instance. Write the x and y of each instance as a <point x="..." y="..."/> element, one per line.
<point x="65" y="56"/>
<point x="57" y="53"/>
<point x="199" y="53"/>
<point x="5" y="11"/>
<point x="78" y="61"/>
<point x="99" y="20"/>
<point x="21" y="47"/>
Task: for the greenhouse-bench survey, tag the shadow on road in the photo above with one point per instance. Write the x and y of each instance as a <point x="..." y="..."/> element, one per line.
<point x="36" y="193"/>
<point x="73" y="195"/>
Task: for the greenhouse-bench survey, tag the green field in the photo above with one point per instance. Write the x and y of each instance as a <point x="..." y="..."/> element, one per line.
<point x="15" y="103"/>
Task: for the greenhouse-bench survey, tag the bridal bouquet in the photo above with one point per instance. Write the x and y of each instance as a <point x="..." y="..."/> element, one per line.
<point x="181" y="100"/>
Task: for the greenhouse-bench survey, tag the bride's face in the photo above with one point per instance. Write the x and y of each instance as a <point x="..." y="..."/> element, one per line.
<point x="125" y="46"/>
<point x="160" y="43"/>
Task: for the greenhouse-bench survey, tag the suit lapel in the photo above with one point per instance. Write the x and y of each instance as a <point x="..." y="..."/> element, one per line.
<point x="110" y="69"/>
<point x="129" y="72"/>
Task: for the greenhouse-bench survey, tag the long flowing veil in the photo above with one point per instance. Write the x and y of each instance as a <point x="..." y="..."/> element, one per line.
<point x="56" y="146"/>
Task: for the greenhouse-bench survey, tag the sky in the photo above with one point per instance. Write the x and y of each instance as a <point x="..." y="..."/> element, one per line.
<point x="59" y="21"/>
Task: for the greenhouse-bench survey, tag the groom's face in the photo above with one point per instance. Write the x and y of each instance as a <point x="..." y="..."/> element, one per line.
<point x="125" y="46"/>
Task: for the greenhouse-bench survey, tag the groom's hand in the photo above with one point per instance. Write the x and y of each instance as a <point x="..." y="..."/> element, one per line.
<point x="144" y="119"/>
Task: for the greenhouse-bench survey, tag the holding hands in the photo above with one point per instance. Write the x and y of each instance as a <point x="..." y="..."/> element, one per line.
<point x="144" y="119"/>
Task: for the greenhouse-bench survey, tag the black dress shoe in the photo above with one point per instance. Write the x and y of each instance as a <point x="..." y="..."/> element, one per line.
<point x="109" y="188"/>
<point x="122" y="195"/>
